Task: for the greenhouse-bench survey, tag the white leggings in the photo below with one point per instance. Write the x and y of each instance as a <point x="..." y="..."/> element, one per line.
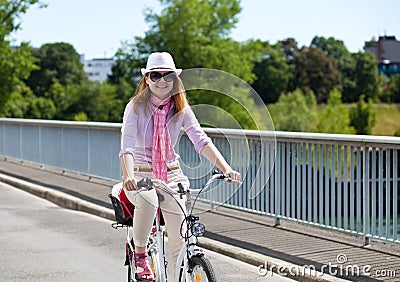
<point x="146" y="203"/>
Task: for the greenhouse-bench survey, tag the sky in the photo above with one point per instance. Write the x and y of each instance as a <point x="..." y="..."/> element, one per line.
<point x="97" y="28"/>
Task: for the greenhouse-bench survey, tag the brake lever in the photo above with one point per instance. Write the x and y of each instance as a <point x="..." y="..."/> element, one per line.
<point x="181" y="190"/>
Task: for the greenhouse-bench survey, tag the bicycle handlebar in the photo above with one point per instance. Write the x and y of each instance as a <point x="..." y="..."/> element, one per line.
<point x="148" y="184"/>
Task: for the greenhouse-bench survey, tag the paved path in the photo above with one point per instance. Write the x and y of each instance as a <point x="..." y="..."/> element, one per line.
<point x="249" y="237"/>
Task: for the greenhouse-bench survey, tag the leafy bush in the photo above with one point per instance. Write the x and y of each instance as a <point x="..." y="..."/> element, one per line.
<point x="334" y="117"/>
<point x="363" y="116"/>
<point x="295" y="111"/>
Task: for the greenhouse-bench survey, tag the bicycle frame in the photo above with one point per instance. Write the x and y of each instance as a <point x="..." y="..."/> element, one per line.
<point x="189" y="247"/>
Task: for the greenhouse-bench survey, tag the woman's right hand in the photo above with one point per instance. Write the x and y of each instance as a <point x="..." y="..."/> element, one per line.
<point x="127" y="165"/>
<point x="130" y="184"/>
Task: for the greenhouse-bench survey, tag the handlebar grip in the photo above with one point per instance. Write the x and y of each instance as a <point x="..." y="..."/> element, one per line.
<point x="223" y="176"/>
<point x="220" y="175"/>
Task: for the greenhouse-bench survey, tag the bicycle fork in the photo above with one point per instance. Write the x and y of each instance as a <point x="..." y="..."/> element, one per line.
<point x="188" y="250"/>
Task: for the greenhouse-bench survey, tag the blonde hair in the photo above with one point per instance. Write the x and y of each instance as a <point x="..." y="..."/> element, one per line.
<point x="142" y="95"/>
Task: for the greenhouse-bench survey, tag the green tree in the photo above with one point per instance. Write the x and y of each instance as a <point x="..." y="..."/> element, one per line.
<point x="330" y="46"/>
<point x="16" y="62"/>
<point x="335" y="117"/>
<point x="317" y="72"/>
<point x="273" y="73"/>
<point x="58" y="62"/>
<point x="347" y="67"/>
<point x="334" y="48"/>
<point x="363" y="116"/>
<point x="295" y="111"/>
<point x="290" y="48"/>
<point x="367" y="77"/>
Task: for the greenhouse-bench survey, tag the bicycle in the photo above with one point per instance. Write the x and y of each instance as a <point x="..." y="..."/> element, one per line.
<point x="192" y="263"/>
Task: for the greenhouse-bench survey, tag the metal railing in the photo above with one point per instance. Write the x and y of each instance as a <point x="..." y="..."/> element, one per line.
<point x="85" y="147"/>
<point x="346" y="183"/>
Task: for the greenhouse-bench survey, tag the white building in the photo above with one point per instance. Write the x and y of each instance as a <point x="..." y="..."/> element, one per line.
<point x="97" y="69"/>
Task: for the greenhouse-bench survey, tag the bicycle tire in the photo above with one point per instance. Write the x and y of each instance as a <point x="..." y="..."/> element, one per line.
<point x="130" y="273"/>
<point x="129" y="262"/>
<point x="202" y="270"/>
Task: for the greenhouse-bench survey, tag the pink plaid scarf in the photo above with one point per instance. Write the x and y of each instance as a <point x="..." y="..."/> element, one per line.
<point x="162" y="148"/>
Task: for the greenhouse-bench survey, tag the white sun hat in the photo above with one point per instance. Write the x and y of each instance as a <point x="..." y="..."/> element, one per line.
<point x="160" y="61"/>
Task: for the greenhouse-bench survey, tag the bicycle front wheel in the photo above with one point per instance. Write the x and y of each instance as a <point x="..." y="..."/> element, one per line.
<point x="202" y="270"/>
<point x="131" y="274"/>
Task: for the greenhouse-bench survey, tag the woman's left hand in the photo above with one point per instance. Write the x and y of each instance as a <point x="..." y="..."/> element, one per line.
<point x="233" y="174"/>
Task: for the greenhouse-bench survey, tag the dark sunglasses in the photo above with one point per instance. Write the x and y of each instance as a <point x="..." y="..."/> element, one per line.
<point x="156" y="76"/>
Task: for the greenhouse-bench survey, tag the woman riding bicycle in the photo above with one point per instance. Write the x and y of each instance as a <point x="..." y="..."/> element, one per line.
<point x="152" y="122"/>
